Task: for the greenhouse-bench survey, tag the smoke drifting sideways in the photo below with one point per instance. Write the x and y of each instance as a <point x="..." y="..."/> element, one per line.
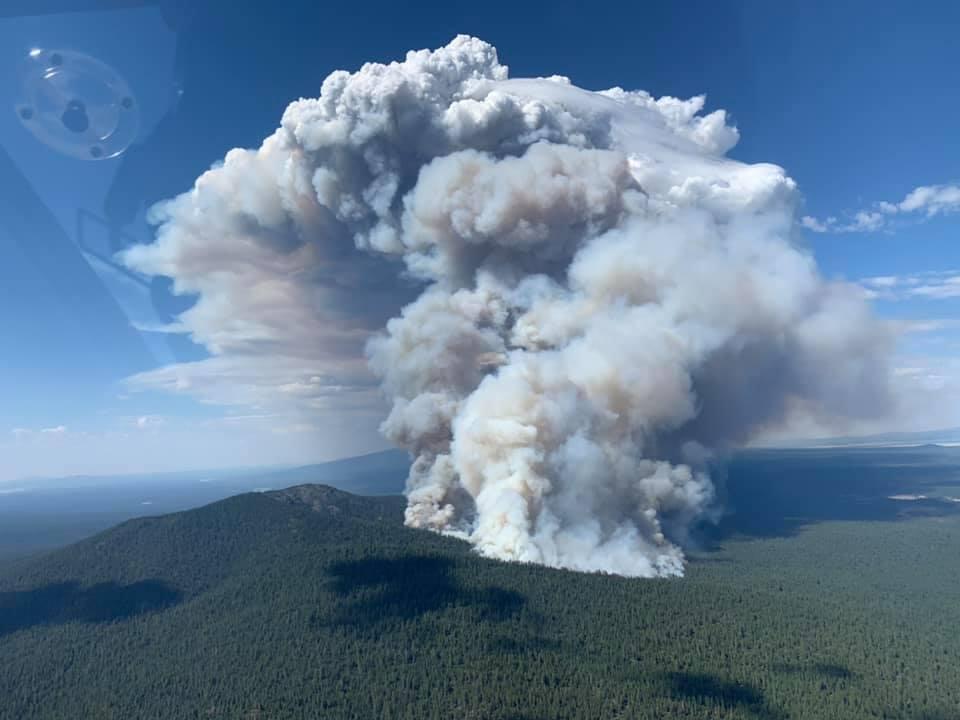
<point x="587" y="299"/>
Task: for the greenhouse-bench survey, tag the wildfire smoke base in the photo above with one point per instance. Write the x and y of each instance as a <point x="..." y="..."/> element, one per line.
<point x="604" y="298"/>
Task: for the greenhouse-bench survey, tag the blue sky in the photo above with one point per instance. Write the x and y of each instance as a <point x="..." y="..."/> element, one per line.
<point x="857" y="102"/>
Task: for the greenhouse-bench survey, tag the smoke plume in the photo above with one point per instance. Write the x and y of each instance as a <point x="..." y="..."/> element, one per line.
<point x="586" y="297"/>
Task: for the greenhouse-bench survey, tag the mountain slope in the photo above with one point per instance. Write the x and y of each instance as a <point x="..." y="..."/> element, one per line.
<point x="43" y="514"/>
<point x="196" y="549"/>
<point x="313" y="603"/>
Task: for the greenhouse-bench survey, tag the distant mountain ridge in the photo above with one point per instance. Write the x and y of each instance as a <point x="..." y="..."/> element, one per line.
<point x="373" y="470"/>
<point x="945" y="436"/>
<point x="54" y="512"/>
<point x="379" y="473"/>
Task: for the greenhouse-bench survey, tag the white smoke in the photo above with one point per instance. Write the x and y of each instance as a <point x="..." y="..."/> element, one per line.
<point x="605" y="299"/>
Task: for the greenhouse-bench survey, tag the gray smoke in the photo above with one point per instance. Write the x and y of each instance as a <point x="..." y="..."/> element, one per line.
<point x="604" y="299"/>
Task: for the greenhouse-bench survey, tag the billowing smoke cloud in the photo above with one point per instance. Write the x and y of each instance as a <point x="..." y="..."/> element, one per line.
<point x="602" y="299"/>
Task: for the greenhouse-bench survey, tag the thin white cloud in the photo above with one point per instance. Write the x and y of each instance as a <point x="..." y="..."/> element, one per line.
<point x="146" y="422"/>
<point x="819" y="226"/>
<point x="289" y="385"/>
<point x="932" y="199"/>
<point x="940" y="285"/>
<point x="931" y="325"/>
<point x="21" y="434"/>
<point x="925" y="201"/>
<point x="948" y="287"/>
<point x="243" y="418"/>
<point x="939" y="375"/>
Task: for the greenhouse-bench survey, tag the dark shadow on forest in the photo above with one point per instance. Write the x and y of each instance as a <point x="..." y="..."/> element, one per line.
<point x="831" y="671"/>
<point x="66" y="602"/>
<point x="712" y="690"/>
<point x="379" y="588"/>
<point x="775" y="493"/>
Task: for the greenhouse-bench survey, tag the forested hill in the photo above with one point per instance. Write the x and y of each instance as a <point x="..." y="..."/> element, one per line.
<point x="190" y="551"/>
<point x="314" y="603"/>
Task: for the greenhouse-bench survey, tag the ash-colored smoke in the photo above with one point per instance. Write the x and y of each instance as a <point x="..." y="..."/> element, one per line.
<point x="606" y="299"/>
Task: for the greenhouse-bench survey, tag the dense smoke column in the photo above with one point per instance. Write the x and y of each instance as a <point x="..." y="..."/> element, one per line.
<point x="605" y="299"/>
